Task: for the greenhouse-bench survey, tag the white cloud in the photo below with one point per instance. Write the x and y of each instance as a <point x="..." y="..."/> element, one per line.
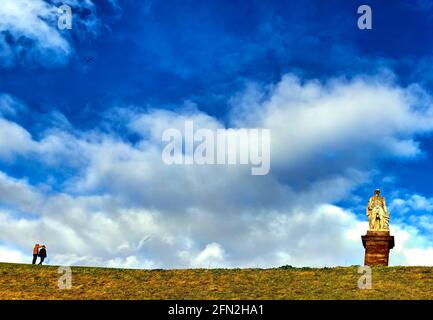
<point x="18" y="193"/>
<point x="14" y="139"/>
<point x="212" y="255"/>
<point x="369" y="118"/>
<point x="410" y="245"/>
<point x="13" y="256"/>
<point x="125" y="207"/>
<point x="419" y="257"/>
<point x="413" y="202"/>
<point x="29" y="34"/>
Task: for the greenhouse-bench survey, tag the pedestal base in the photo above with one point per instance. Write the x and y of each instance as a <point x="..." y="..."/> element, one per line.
<point x="377" y="245"/>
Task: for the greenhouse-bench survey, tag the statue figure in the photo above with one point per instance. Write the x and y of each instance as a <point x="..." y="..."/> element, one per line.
<point x="377" y="213"/>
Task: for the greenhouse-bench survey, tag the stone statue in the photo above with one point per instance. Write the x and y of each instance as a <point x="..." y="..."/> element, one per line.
<point x="377" y="213"/>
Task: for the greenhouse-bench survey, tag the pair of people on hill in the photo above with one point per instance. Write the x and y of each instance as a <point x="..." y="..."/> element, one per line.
<point x="39" y="251"/>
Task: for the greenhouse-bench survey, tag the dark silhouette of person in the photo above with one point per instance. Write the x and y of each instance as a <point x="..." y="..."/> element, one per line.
<point x="42" y="254"/>
<point x="35" y="253"/>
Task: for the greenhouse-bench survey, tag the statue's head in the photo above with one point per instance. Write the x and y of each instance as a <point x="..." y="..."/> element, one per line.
<point x="377" y="192"/>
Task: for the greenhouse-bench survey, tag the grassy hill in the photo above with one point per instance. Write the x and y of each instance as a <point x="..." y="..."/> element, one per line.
<point x="19" y="281"/>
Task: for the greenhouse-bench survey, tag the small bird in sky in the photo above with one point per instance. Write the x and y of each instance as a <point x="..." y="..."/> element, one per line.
<point x="88" y="60"/>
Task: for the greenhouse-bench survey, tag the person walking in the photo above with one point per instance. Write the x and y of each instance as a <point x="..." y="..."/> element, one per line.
<point x="35" y="253"/>
<point x="42" y="254"/>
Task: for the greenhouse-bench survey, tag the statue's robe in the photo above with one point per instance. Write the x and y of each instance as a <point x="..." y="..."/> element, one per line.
<point x="377" y="213"/>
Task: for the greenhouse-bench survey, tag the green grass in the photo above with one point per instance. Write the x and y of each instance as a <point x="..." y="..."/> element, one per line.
<point x="19" y="281"/>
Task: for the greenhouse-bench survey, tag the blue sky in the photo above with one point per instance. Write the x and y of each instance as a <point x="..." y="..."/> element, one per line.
<point x="80" y="140"/>
<point x="188" y="50"/>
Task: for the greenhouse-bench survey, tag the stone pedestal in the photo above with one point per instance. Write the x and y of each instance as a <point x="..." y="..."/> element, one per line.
<point x="377" y="245"/>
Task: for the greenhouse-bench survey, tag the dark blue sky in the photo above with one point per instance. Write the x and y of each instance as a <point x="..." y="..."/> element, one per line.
<point x="162" y="53"/>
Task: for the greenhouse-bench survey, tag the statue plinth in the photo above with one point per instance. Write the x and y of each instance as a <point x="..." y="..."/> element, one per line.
<point x="377" y="245"/>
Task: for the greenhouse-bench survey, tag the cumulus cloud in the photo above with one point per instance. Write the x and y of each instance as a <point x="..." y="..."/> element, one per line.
<point x="122" y="206"/>
<point x="212" y="255"/>
<point x="29" y="33"/>
<point x="368" y="117"/>
<point x="413" y="202"/>
<point x="20" y="194"/>
<point x="11" y="255"/>
<point x="13" y="139"/>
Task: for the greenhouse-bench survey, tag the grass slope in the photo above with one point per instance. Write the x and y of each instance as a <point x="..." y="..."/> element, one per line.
<point x="19" y="281"/>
